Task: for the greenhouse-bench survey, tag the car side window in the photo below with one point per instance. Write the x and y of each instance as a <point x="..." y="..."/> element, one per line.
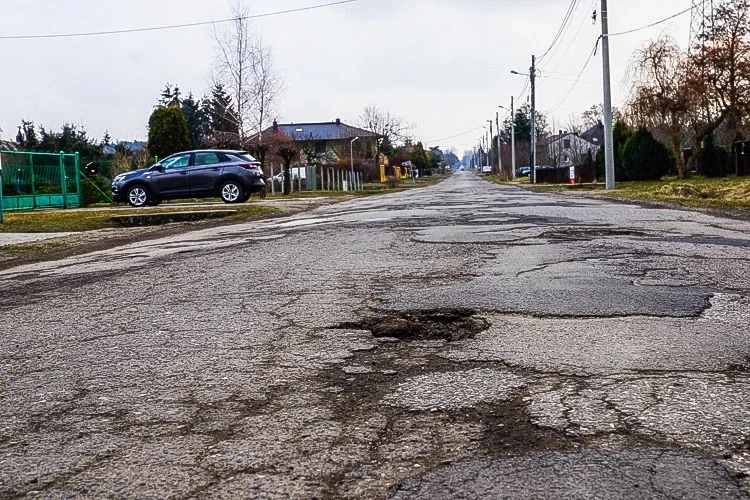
<point x="202" y="159"/>
<point x="180" y="161"/>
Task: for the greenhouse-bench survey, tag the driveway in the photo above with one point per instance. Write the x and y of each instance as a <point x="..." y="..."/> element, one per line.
<point x="465" y="340"/>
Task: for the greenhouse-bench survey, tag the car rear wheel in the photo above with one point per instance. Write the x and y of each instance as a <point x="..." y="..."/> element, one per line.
<point x="231" y="192"/>
<point x="138" y="196"/>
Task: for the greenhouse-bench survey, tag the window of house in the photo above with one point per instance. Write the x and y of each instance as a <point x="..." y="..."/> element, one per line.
<point x="566" y="143"/>
<point x="320" y="147"/>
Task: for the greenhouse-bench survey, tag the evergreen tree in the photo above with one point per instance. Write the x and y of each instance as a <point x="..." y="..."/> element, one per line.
<point x="715" y="160"/>
<point x="386" y="147"/>
<point x="169" y="96"/>
<point x="620" y="134"/>
<point x="27" y="137"/>
<point x="419" y="158"/>
<point x="644" y="158"/>
<point x="197" y="119"/>
<point x="167" y="132"/>
<point x="223" y="114"/>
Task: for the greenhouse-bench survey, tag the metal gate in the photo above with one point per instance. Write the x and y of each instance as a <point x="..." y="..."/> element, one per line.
<point x="39" y="180"/>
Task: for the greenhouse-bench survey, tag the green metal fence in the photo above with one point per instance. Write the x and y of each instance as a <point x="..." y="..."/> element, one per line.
<point x="39" y="180"/>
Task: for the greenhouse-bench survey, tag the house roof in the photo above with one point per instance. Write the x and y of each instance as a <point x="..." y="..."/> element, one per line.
<point x="557" y="137"/>
<point x="594" y="135"/>
<point x="325" y="131"/>
<point x="8" y="146"/>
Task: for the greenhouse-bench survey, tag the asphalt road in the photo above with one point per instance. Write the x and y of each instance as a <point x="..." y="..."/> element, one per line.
<point x="465" y="340"/>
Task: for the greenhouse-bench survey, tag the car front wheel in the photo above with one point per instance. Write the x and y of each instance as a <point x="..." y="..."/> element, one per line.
<point x="138" y="196"/>
<point x="231" y="192"/>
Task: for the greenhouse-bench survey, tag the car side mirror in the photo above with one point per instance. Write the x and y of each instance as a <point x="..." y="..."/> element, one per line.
<point x="158" y="168"/>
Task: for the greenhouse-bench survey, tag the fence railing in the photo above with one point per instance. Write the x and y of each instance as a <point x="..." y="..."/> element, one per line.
<point x="316" y="178"/>
<point x="39" y="180"/>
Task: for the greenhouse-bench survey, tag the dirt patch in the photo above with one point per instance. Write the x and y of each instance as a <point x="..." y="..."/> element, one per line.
<point x="444" y="324"/>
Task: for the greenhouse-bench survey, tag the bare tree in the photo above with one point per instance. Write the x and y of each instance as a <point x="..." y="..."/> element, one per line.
<point x="287" y="150"/>
<point x="721" y="71"/>
<point x="265" y="87"/>
<point x="662" y="97"/>
<point x="692" y="96"/>
<point x="389" y="127"/>
<point x="244" y="65"/>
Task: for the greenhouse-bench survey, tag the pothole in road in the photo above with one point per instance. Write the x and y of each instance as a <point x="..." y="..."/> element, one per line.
<point x="591" y="233"/>
<point x="442" y="324"/>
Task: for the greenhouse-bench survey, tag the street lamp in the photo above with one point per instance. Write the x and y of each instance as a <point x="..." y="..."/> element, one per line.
<point x="351" y="155"/>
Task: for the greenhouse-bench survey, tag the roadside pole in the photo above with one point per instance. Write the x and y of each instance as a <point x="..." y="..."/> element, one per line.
<point x="532" y="77"/>
<point x="499" y="148"/>
<point x="490" y="146"/>
<point x="513" y="137"/>
<point x="609" y="154"/>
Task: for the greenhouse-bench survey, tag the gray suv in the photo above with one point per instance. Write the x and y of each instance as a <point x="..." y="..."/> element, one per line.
<point x="231" y="175"/>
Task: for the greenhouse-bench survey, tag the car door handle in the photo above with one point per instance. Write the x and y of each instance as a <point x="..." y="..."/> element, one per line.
<point x="183" y="173"/>
<point x="216" y="168"/>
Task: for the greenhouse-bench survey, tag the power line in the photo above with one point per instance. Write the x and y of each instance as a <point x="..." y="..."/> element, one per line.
<point x="175" y="26"/>
<point x="563" y="27"/>
<point x="454" y="136"/>
<point x="568" y="80"/>
<point x="564" y="34"/>
<point x="575" y="37"/>
<point x="596" y="47"/>
<point x="578" y="78"/>
<point x="653" y="24"/>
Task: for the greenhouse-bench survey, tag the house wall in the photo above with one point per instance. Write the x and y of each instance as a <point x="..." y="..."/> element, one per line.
<point x="575" y="154"/>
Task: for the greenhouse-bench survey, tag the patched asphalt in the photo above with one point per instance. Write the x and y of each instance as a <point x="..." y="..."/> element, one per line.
<point x="465" y="340"/>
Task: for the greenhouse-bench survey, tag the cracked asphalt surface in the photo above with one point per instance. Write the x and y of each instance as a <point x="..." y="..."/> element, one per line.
<point x="590" y="350"/>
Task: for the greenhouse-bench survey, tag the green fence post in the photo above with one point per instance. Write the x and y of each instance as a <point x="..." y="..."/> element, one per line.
<point x="63" y="180"/>
<point x="78" y="179"/>
<point x="33" y="180"/>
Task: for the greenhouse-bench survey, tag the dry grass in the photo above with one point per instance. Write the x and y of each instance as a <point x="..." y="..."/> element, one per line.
<point x="70" y="221"/>
<point x="731" y="192"/>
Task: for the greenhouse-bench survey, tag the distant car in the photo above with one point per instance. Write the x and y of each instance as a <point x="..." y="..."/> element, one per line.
<point x="231" y="175"/>
<point x="486" y="169"/>
<point x="524" y="171"/>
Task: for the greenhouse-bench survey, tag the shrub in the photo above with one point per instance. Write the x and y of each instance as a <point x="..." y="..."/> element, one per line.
<point x="715" y="161"/>
<point x="644" y="158"/>
<point x="167" y="132"/>
<point x="90" y="195"/>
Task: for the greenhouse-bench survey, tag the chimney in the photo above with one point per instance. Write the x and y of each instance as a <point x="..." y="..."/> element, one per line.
<point x="275" y="126"/>
<point x="561" y="133"/>
<point x="338" y="121"/>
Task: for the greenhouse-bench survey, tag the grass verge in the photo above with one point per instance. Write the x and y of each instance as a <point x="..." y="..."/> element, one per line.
<point x="732" y="192"/>
<point x="71" y="221"/>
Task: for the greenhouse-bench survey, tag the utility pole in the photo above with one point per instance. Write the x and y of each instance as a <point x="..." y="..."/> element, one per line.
<point x="513" y="137"/>
<point x="609" y="153"/>
<point x="490" y="146"/>
<point x="532" y="77"/>
<point x="499" y="149"/>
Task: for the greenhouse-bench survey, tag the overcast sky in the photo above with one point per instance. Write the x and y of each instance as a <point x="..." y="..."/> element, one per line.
<point x="442" y="64"/>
